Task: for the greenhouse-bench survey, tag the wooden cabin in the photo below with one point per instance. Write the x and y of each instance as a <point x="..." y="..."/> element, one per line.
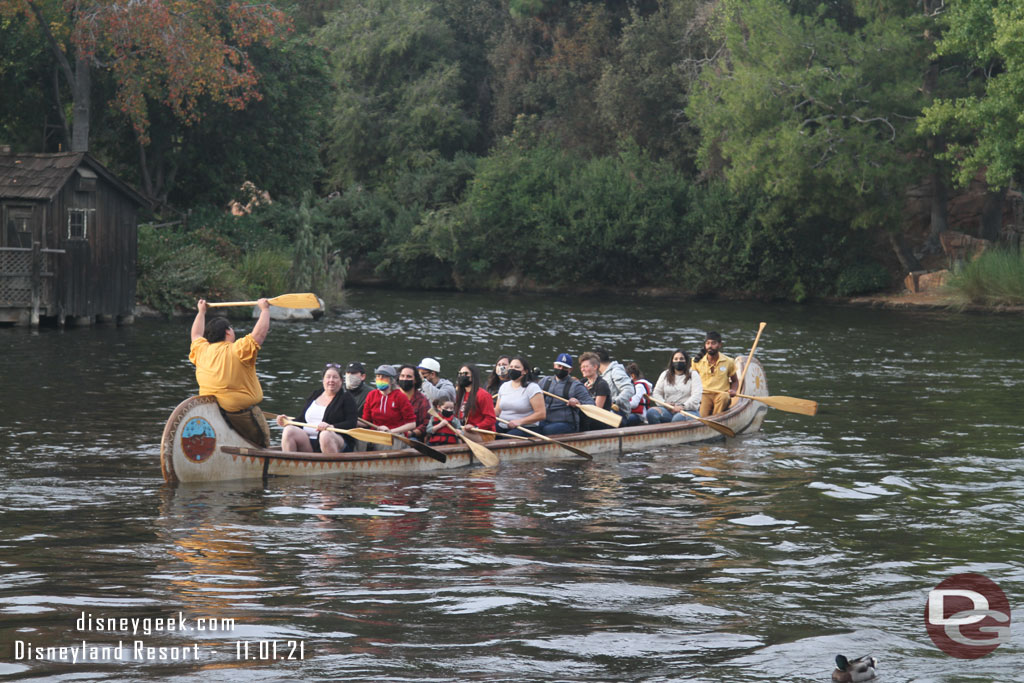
<point x="68" y="239"/>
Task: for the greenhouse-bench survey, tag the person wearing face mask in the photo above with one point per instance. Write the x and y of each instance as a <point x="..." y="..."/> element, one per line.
<point x="499" y="375"/>
<point x="680" y="386"/>
<point x="410" y="382"/>
<point x="520" y="402"/>
<point x="440" y="434"/>
<point x="717" y="374"/>
<point x="475" y="406"/>
<point x="327" y="407"/>
<point x="386" y="406"/>
<point x="355" y="384"/>
<point x="434" y="386"/>
<point x="562" y="417"/>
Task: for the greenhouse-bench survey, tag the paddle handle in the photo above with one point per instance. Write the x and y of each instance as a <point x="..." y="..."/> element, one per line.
<point x="224" y="304"/>
<point x="507" y="436"/>
<point x="750" y="356"/>
<point x="311" y="426"/>
<point x="560" y="398"/>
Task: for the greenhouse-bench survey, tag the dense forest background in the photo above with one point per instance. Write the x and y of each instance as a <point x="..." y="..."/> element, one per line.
<point x="736" y="147"/>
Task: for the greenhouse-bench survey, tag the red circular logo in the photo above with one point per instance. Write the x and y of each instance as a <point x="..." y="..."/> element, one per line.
<point x="967" y="616"/>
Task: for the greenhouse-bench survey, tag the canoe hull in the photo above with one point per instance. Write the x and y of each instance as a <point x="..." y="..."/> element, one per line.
<point x="199" y="446"/>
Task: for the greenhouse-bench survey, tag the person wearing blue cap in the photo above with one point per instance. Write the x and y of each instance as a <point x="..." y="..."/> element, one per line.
<point x="562" y="417"/>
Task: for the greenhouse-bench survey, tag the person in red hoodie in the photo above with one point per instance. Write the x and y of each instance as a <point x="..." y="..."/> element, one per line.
<point x="387" y="407"/>
<point x="475" y="407"/>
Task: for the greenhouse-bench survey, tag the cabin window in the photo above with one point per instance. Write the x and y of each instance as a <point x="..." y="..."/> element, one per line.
<point x="78" y="223"/>
<point x="19" y="228"/>
<point x="86" y="180"/>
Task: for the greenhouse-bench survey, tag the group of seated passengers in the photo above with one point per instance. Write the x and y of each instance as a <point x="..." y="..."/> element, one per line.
<point x="418" y="403"/>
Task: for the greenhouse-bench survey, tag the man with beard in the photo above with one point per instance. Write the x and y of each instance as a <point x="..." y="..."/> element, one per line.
<point x="717" y="374"/>
<point x="434" y="386"/>
<point x="561" y="417"/>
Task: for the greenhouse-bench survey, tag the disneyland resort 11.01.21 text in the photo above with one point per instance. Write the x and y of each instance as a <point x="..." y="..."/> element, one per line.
<point x="138" y="650"/>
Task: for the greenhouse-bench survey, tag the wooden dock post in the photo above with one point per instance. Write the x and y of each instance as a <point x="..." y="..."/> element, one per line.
<point x="36" y="280"/>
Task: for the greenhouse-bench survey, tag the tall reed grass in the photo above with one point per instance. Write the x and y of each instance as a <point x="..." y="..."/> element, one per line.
<point x="995" y="278"/>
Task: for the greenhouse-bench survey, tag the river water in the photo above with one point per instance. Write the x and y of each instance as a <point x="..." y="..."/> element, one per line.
<point x="756" y="559"/>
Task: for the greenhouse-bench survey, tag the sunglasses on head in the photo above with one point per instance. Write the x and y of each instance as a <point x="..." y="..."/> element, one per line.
<point x="332" y="365"/>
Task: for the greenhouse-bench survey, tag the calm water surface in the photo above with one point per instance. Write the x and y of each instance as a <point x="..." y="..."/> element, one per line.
<point x="756" y="559"/>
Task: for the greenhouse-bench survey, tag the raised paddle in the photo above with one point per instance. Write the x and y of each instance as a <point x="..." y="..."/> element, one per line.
<point x="413" y="443"/>
<point x="573" y="449"/>
<point x="717" y="426"/>
<point x="482" y="453"/>
<point x="746" y="363"/>
<point x="599" y="414"/>
<point x="284" y="301"/>
<point x="789" y="404"/>
<point x="368" y="435"/>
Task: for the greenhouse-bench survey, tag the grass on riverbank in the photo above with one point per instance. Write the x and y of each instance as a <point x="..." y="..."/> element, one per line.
<point x="235" y="259"/>
<point x="995" y="278"/>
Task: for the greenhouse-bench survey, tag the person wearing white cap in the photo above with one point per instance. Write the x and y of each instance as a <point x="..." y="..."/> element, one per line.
<point x="435" y="386"/>
<point x="561" y="417"/>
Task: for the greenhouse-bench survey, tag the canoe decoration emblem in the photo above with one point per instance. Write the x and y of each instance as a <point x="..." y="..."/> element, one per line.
<point x="198" y="439"/>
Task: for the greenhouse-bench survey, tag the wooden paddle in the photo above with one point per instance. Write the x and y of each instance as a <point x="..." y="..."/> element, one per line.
<point x="368" y="435"/>
<point x="507" y="436"/>
<point x="576" y="451"/>
<point x="717" y="426"/>
<point x="284" y="301"/>
<point x="789" y="404"/>
<point x="482" y="453"/>
<point x="413" y="443"/>
<point x="746" y="363"/>
<point x="599" y="414"/>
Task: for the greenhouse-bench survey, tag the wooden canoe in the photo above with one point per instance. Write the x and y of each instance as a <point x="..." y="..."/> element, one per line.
<point x="199" y="446"/>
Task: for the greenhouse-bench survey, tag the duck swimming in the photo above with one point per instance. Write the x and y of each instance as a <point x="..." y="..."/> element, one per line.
<point x="854" y="670"/>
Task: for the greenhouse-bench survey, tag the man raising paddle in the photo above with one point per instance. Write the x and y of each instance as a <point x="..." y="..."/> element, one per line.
<point x="717" y="374"/>
<point x="226" y="370"/>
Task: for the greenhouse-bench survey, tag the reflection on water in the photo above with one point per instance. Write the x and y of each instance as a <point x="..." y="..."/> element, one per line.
<point x="756" y="559"/>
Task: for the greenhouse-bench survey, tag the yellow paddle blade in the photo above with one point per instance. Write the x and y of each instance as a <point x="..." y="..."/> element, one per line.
<point x="789" y="404"/>
<point x="482" y="453"/>
<point x="306" y="300"/>
<point x="369" y="435"/>
<point x="602" y="415"/>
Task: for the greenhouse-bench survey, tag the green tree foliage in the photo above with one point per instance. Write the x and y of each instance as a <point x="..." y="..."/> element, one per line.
<point x="644" y="88"/>
<point x="989" y="34"/>
<point x="402" y="89"/>
<point x="818" y="118"/>
<point x="25" y="108"/>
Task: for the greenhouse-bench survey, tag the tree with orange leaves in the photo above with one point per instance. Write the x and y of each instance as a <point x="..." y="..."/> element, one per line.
<point x="177" y="52"/>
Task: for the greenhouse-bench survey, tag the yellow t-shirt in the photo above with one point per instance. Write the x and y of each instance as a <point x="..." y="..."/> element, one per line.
<point x="227" y="371"/>
<point x="716" y="377"/>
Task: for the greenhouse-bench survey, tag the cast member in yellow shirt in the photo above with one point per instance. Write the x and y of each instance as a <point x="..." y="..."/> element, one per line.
<point x="717" y="373"/>
<point x="226" y="370"/>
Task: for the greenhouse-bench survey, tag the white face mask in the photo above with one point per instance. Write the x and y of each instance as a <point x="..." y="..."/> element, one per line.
<point x="352" y="381"/>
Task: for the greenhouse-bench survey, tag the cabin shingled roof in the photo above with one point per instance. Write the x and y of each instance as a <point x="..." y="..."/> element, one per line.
<point x="41" y="176"/>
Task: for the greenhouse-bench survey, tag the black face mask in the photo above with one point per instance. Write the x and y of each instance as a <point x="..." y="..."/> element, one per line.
<point x="465" y="382"/>
<point x="679" y="365"/>
<point x="514" y="374"/>
<point x="447" y="413"/>
<point x="406" y="384"/>
<point x="561" y="373"/>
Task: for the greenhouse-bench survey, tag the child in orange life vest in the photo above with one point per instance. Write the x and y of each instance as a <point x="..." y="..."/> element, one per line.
<point x="438" y="433"/>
